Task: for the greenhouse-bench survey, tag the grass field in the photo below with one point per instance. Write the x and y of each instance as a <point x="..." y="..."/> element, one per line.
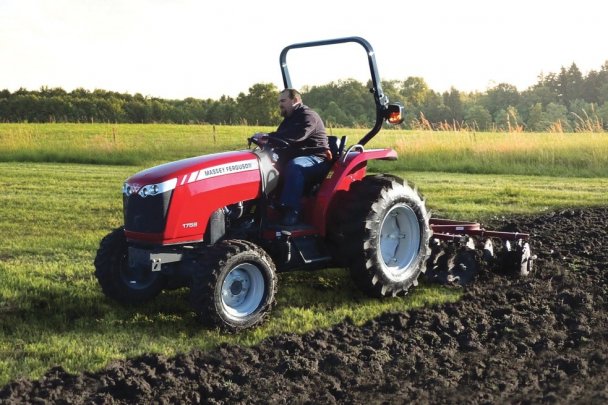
<point x="61" y="193"/>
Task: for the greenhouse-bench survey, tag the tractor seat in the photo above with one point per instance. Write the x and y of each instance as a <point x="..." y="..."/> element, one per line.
<point x="336" y="147"/>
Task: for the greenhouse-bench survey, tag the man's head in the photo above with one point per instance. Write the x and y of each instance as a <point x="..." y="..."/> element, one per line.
<point x="289" y="99"/>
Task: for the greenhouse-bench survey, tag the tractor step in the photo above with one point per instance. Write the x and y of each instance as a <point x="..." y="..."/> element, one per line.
<point x="309" y="250"/>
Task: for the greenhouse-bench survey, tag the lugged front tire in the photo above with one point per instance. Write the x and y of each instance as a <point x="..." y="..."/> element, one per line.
<point x="383" y="233"/>
<point x="234" y="286"/>
<point x="117" y="280"/>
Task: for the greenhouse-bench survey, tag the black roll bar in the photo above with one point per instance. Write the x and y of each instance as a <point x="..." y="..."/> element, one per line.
<point x="381" y="100"/>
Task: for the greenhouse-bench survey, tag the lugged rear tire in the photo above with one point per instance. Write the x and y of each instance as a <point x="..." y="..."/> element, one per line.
<point x="383" y="235"/>
<point x="234" y="286"/>
<point x="117" y="280"/>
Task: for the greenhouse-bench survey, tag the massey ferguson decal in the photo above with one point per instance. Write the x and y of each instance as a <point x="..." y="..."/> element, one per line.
<point x="220" y="170"/>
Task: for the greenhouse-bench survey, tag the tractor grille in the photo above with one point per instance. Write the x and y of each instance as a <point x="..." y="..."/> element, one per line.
<point x="148" y="214"/>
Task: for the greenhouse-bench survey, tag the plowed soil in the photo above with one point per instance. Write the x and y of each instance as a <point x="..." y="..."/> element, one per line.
<point x="542" y="339"/>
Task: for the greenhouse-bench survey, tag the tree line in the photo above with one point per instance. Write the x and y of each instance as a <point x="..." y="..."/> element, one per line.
<point x="563" y="101"/>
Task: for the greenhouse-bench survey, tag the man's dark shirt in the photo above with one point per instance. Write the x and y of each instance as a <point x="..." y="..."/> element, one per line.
<point x="303" y="129"/>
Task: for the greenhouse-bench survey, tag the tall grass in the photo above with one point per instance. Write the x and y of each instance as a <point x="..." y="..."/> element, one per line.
<point x="554" y="154"/>
<point x="547" y="154"/>
<point x="116" y="144"/>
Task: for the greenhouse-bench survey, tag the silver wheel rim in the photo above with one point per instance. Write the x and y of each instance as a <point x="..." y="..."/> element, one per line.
<point x="242" y="291"/>
<point x="399" y="241"/>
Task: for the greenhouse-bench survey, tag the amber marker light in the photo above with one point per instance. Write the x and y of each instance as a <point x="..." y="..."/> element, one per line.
<point x="394" y="114"/>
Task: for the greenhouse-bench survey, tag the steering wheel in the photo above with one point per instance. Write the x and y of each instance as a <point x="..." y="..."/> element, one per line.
<point x="271" y="141"/>
<point x="278" y="142"/>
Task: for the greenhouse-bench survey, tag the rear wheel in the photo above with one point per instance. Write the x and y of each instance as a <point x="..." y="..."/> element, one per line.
<point x="119" y="281"/>
<point x="384" y="234"/>
<point x="234" y="286"/>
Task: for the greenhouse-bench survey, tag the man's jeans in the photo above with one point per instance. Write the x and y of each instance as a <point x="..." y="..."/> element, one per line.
<point x="298" y="173"/>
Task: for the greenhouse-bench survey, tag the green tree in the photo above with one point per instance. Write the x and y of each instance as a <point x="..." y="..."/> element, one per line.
<point x="357" y="101"/>
<point x="319" y="97"/>
<point x="540" y="93"/>
<point x="591" y="87"/>
<point x="536" y="119"/>
<point x="259" y="105"/>
<point x="334" y="116"/>
<point x="415" y="91"/>
<point x="453" y="101"/>
<point x="158" y="111"/>
<point x="392" y="89"/>
<point x="434" y="110"/>
<point x="501" y="97"/>
<point x="501" y="119"/>
<point x="557" y="114"/>
<point x="599" y="85"/>
<point x="223" y="111"/>
<point x="570" y="84"/>
<point x="602" y="113"/>
<point x="52" y="92"/>
<point x="137" y="111"/>
<point x="478" y="117"/>
<point x="584" y="115"/>
<point x="24" y="106"/>
<point x="514" y="117"/>
<point x="55" y="109"/>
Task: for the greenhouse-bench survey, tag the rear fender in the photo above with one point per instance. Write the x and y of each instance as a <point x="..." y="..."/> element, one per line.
<point x="346" y="170"/>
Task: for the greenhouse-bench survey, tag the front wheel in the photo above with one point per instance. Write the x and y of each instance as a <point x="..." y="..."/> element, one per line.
<point x="234" y="286"/>
<point x="117" y="279"/>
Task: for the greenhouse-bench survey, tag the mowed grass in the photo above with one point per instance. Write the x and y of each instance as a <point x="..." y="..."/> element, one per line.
<point x="53" y="215"/>
<point x="52" y="311"/>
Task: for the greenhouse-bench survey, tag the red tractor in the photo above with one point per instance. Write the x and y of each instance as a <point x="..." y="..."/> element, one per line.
<point x="210" y="222"/>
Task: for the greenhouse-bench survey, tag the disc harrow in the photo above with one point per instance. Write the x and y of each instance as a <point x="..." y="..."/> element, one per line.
<point x="460" y="249"/>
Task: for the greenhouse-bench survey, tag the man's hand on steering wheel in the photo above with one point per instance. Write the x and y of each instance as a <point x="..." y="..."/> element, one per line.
<point x="262" y="139"/>
<point x="259" y="138"/>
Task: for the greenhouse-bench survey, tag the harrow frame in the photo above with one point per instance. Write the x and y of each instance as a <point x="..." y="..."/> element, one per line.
<point x="460" y="248"/>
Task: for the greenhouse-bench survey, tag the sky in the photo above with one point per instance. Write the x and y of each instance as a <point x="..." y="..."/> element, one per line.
<point x="205" y="49"/>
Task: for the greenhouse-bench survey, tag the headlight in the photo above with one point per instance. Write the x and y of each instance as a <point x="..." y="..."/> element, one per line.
<point x="150" y="189"/>
<point x="127" y="189"/>
<point x="145" y="191"/>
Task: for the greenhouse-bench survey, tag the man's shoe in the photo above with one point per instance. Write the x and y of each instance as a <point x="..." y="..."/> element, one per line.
<point x="290" y="217"/>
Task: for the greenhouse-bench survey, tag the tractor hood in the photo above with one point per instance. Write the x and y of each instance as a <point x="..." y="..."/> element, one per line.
<point x="168" y="176"/>
<point x="174" y="202"/>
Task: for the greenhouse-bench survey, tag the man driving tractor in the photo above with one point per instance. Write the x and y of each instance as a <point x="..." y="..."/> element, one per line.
<point x="307" y="158"/>
<point x="186" y="222"/>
